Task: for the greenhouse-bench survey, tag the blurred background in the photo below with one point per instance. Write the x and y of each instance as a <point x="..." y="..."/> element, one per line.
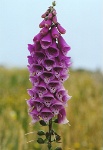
<point x="83" y="21"/>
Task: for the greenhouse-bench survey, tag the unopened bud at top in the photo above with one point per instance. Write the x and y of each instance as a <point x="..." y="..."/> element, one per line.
<point x="54" y="3"/>
<point x="50" y="15"/>
<point x="40" y="141"/>
<point x="54" y="19"/>
<point x="61" y="29"/>
<point x="45" y="14"/>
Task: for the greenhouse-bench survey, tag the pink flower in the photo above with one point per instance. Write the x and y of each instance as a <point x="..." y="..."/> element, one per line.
<point x="62" y="117"/>
<point x="64" y="47"/>
<point x="54" y="32"/>
<point x="46" y="41"/>
<point x="61" y="29"/>
<point x="48" y="67"/>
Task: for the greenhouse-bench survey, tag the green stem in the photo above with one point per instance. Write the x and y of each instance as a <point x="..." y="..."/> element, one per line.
<point x="50" y="134"/>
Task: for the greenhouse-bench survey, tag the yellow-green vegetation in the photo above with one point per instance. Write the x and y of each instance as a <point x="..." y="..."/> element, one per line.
<point x="84" y="111"/>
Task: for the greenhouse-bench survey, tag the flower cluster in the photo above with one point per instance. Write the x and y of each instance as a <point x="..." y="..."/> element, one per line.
<point x="48" y="67"/>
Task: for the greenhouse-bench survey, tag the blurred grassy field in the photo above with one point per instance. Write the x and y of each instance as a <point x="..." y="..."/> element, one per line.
<point x="84" y="111"/>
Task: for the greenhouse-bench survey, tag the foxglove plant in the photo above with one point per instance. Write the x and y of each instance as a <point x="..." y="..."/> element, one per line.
<point x="48" y="67"/>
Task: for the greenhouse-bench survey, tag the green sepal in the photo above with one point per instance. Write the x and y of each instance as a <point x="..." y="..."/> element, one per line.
<point x="40" y="133"/>
<point x="47" y="135"/>
<point x="56" y="120"/>
<point x="58" y="148"/>
<point x="40" y="141"/>
<point x="58" y="138"/>
<point x="43" y="123"/>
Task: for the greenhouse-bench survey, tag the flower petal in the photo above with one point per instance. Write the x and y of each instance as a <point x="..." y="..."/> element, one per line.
<point x="65" y="98"/>
<point x="63" y="77"/>
<point x="63" y="45"/>
<point x="48" y="99"/>
<point x="61" y="29"/>
<point x="47" y="76"/>
<point x="34" y="80"/>
<point x="41" y="89"/>
<point x="46" y="114"/>
<point x="31" y="48"/>
<point x="30" y="60"/>
<point x="60" y="93"/>
<point x="32" y="92"/>
<point x="35" y="115"/>
<point x="38" y="104"/>
<point x="44" y="31"/>
<point x="39" y="56"/>
<point x="48" y="64"/>
<point x="38" y="37"/>
<point x="55" y="19"/>
<point x="52" y="51"/>
<point x="30" y="102"/>
<point x="46" y="41"/>
<point x="48" y="23"/>
<point x="42" y="24"/>
<point x="54" y="32"/>
<point x="38" y="69"/>
<point x="56" y="107"/>
<point x="62" y="117"/>
<point x="57" y="71"/>
<point x="53" y="86"/>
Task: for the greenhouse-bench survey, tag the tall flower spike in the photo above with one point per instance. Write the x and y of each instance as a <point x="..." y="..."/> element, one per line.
<point x="48" y="66"/>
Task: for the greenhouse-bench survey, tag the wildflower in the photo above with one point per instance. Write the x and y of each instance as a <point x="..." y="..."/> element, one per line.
<point x="48" y="67"/>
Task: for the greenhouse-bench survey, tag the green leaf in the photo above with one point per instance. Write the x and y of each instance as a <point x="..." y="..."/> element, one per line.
<point x="40" y="141"/>
<point x="40" y="133"/>
<point x="58" y="138"/>
<point x="43" y="123"/>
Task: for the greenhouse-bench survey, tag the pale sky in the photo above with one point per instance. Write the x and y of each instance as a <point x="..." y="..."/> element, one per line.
<point x="83" y="20"/>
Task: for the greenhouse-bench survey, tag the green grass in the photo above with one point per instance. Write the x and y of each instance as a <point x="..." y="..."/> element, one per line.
<point x="84" y="111"/>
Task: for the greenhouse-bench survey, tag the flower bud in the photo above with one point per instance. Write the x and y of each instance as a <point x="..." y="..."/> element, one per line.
<point x="41" y="133"/>
<point x="42" y="122"/>
<point x="37" y="38"/>
<point x="42" y="24"/>
<point x="44" y="31"/>
<point x="40" y="141"/>
<point x="54" y="3"/>
<point x="61" y="29"/>
<point x="58" y="138"/>
<point x="54" y="32"/>
<point x="50" y="16"/>
<point x="48" y="23"/>
<point x="54" y="12"/>
<point x="45" y="14"/>
<point x="55" y="19"/>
